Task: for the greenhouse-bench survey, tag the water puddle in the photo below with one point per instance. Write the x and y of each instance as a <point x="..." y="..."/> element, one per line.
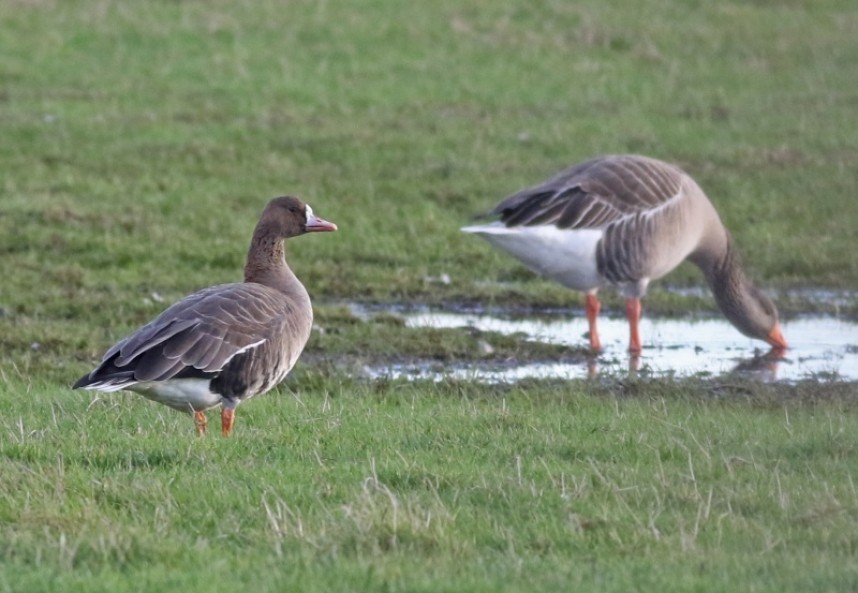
<point x="820" y="348"/>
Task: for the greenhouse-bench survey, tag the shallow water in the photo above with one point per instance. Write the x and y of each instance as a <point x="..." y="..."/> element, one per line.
<point x="820" y="347"/>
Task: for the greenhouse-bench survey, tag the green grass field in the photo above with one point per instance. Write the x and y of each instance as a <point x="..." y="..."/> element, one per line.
<point x="140" y="141"/>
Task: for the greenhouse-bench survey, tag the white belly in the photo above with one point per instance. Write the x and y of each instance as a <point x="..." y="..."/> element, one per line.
<point x="185" y="395"/>
<point x="566" y="256"/>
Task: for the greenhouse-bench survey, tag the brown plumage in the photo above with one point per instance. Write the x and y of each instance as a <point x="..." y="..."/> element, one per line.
<point x="226" y="343"/>
<point x="625" y="220"/>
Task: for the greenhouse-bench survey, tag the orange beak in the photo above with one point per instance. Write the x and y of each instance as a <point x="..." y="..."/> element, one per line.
<point x="776" y="338"/>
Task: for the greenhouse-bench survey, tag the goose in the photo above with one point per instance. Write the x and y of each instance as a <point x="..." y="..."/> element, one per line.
<point x="622" y="221"/>
<point x="227" y="343"/>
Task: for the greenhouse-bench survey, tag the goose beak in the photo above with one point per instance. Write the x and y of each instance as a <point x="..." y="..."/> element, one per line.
<point x="776" y="338"/>
<point x="315" y="224"/>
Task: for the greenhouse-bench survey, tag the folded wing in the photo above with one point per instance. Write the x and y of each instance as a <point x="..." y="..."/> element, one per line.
<point x="196" y="337"/>
<point x="593" y="194"/>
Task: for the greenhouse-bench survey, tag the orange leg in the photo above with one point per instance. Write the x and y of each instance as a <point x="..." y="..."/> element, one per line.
<point x="201" y="422"/>
<point x="592" y="306"/>
<point x="633" y="314"/>
<point x="227" y="418"/>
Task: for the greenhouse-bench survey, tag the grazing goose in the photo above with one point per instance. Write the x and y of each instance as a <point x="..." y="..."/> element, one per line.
<point x="623" y="221"/>
<point x="226" y="343"/>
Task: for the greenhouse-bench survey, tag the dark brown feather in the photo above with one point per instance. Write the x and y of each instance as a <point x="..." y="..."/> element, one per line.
<point x="203" y="331"/>
<point x="593" y="194"/>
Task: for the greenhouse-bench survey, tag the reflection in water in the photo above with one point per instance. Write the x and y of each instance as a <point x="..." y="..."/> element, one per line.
<point x="820" y="347"/>
<point x="765" y="366"/>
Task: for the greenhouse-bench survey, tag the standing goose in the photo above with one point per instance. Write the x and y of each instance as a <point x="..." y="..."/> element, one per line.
<point x="226" y="343"/>
<point x="623" y="221"/>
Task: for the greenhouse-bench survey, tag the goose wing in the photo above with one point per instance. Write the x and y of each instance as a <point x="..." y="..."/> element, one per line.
<point x="199" y="335"/>
<point x="593" y="194"/>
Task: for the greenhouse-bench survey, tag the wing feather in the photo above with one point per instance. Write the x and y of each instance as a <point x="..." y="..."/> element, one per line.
<point x="199" y="334"/>
<point x="593" y="194"/>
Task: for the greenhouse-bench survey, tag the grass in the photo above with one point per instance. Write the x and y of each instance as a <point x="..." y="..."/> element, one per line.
<point x="138" y="143"/>
<point x="438" y="486"/>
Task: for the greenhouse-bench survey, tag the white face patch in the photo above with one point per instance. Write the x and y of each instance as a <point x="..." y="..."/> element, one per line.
<point x="308" y="212"/>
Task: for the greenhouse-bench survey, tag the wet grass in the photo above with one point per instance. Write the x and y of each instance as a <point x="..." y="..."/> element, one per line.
<point x="138" y="143"/>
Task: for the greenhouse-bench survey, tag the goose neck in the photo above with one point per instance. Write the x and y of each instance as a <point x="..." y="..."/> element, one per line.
<point x="266" y="263"/>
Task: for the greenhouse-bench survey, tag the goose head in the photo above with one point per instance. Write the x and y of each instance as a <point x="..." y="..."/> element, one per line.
<point x="288" y="216"/>
<point x="755" y="315"/>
